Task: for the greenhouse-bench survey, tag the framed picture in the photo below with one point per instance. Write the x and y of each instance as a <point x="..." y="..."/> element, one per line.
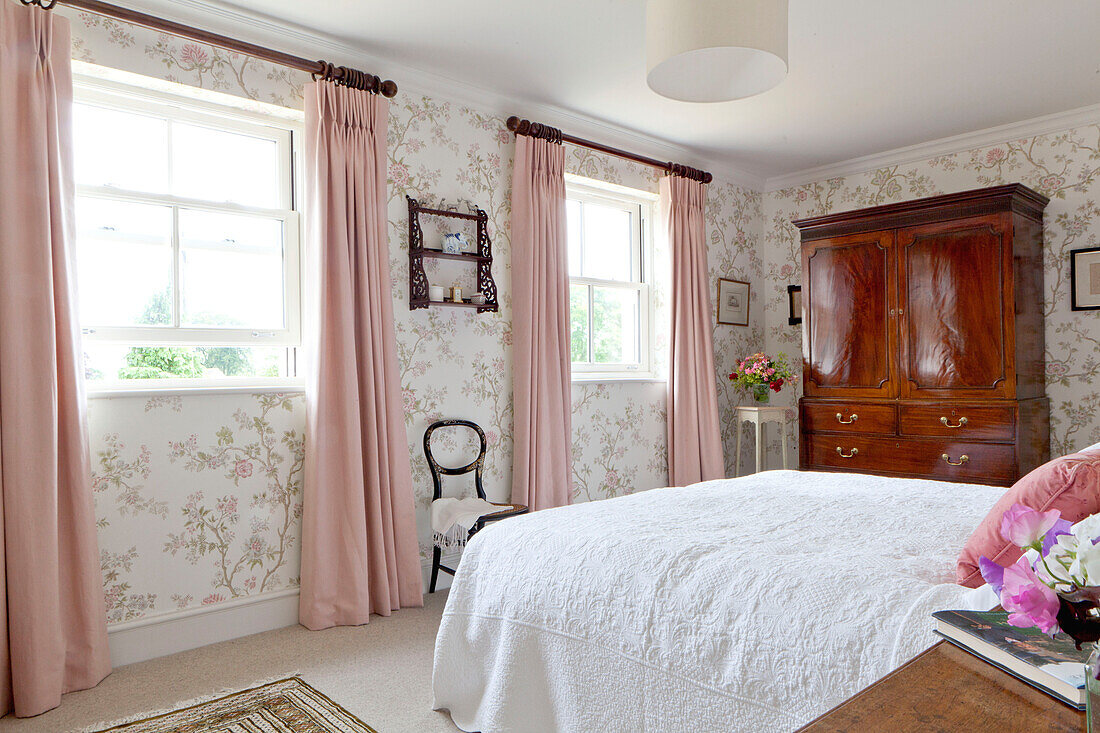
<point x="1084" y="279"/>
<point x="794" y="304"/>
<point x="733" y="302"/>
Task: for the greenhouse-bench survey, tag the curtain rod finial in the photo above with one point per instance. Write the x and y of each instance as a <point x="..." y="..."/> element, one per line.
<point x="513" y="123"/>
<point x="389" y="88"/>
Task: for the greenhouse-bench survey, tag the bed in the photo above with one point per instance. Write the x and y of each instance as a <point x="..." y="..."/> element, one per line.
<point x="742" y="604"/>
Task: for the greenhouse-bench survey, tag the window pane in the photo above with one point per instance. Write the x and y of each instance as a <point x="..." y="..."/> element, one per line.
<point x="124" y="263"/>
<point x="217" y="165"/>
<point x="231" y="270"/>
<point x="607" y="242"/>
<point x="614" y="325"/>
<point x="573" y="219"/>
<point x="578" y="323"/>
<point x="111" y="362"/>
<point x="120" y="149"/>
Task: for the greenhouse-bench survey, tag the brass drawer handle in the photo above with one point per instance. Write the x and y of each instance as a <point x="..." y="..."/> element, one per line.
<point x="962" y="459"/>
<point x="840" y="418"/>
<point x="945" y="421"/>
<point x="840" y="452"/>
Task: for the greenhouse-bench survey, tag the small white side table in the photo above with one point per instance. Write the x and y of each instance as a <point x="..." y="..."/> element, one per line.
<point x="758" y="416"/>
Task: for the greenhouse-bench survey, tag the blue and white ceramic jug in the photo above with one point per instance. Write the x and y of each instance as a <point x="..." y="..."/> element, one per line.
<point x="454" y="244"/>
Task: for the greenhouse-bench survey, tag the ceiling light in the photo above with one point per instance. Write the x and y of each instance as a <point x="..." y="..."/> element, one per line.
<point x="715" y="50"/>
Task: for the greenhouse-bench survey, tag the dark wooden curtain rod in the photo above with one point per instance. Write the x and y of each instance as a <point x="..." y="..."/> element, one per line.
<point x="536" y="129"/>
<point x="319" y="69"/>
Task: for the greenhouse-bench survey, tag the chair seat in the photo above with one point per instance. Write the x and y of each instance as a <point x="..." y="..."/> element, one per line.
<point x="508" y="510"/>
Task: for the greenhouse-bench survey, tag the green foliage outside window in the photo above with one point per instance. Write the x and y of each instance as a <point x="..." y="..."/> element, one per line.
<point x="607" y="326"/>
<point x="166" y="362"/>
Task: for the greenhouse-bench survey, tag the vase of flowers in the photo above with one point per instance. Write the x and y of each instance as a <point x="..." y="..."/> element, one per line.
<point x="1055" y="585"/>
<point x="762" y="375"/>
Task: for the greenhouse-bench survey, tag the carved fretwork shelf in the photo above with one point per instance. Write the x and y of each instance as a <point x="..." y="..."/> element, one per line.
<point x="483" y="258"/>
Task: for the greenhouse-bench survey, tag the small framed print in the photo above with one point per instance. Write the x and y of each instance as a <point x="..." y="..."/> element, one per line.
<point x="733" y="302"/>
<point x="1084" y="279"/>
<point x="794" y="304"/>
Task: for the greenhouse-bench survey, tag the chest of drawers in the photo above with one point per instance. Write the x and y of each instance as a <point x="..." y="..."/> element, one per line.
<point x="985" y="443"/>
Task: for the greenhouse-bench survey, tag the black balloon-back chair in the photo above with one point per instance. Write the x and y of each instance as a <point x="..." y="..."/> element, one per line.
<point x="476" y="466"/>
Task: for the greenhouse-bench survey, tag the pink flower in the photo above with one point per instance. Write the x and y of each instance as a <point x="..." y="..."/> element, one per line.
<point x="1057" y="368"/>
<point x="399" y="174"/>
<point x="213" y="598"/>
<point x="786" y="270"/>
<point x="193" y="55"/>
<point x="1049" y="183"/>
<point x="1028" y="600"/>
<point x="1025" y="527"/>
<point x="995" y="155"/>
<point x="243" y="469"/>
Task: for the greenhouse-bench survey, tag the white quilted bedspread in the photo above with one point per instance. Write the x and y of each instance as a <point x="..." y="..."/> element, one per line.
<point x="750" y="604"/>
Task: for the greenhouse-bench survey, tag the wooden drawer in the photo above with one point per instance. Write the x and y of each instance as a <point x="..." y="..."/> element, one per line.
<point x="849" y="417"/>
<point x="983" y="463"/>
<point x="959" y="422"/>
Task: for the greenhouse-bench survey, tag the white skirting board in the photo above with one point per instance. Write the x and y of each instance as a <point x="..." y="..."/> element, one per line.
<point x="168" y="633"/>
<point x="178" y="631"/>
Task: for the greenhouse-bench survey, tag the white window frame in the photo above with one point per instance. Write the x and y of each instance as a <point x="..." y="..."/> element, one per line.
<point x="642" y="206"/>
<point x="286" y="131"/>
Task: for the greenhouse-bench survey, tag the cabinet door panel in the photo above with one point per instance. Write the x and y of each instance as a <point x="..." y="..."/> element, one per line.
<point x="849" y="332"/>
<point x="954" y="334"/>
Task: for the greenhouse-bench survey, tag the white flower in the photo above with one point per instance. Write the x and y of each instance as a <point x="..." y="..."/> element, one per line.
<point x="1087" y="529"/>
<point x="1087" y="564"/>
<point x="1057" y="567"/>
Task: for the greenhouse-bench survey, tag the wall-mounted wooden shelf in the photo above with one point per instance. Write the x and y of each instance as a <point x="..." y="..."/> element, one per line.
<point x="438" y="254"/>
<point x="447" y="303"/>
<point x="483" y="258"/>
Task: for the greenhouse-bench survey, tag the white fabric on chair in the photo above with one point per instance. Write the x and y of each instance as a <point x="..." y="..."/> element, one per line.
<point x="452" y="519"/>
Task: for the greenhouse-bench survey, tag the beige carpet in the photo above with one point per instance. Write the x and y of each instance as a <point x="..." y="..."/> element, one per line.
<point x="381" y="672"/>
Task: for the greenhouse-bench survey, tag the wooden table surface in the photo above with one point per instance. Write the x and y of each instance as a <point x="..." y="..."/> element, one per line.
<point x="948" y="689"/>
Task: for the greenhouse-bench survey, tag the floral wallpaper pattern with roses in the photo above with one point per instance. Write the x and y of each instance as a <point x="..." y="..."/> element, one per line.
<point x="1065" y="166"/>
<point x="199" y="496"/>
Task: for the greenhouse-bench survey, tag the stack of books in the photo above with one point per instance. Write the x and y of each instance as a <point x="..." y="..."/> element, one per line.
<point x="1055" y="665"/>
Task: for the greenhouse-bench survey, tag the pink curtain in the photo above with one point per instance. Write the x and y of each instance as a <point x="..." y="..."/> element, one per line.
<point x="359" y="548"/>
<point x="694" y="438"/>
<point x="542" y="462"/>
<point x="53" y="624"/>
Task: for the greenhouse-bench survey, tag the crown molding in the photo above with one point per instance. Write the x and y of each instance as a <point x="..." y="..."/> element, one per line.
<point x="311" y="44"/>
<point x="1057" y="122"/>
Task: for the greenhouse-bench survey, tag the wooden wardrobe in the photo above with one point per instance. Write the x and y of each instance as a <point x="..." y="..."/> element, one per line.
<point x="922" y="338"/>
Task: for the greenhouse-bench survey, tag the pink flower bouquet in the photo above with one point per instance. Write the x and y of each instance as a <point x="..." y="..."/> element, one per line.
<point x="759" y="373"/>
<point x="1055" y="585"/>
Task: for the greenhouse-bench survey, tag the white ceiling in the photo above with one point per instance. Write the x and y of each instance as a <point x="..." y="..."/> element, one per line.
<point x="865" y="75"/>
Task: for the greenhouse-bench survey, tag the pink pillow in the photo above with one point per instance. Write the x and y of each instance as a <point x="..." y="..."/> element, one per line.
<point x="1070" y="484"/>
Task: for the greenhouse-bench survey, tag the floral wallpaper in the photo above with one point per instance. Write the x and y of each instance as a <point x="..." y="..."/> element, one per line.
<point x="199" y="496"/>
<point x="1064" y="166"/>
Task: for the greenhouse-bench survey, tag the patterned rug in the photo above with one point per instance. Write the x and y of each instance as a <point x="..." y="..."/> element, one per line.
<point x="286" y="706"/>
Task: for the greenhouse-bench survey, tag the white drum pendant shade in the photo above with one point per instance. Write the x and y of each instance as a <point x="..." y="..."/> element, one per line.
<point x="715" y="50"/>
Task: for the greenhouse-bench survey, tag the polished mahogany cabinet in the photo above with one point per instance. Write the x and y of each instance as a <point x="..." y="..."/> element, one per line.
<point x="922" y="338"/>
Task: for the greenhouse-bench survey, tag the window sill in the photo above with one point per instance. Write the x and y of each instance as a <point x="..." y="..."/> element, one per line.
<point x="596" y="378"/>
<point x="293" y="386"/>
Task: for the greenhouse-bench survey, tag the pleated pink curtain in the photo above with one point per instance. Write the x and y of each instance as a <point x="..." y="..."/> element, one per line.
<point x="542" y="463"/>
<point x="359" y="547"/>
<point x="694" y="438"/>
<point x="53" y="623"/>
